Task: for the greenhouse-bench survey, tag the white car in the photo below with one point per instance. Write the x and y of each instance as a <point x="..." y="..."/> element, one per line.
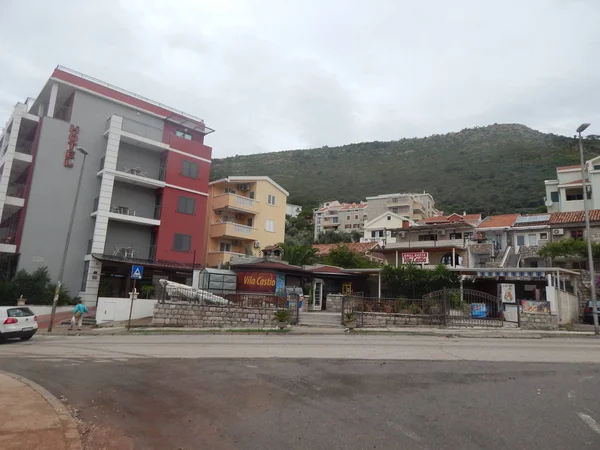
<point x="17" y="322"/>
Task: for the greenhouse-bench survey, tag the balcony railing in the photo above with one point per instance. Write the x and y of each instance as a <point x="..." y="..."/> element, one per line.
<point x="142" y="129"/>
<point x="63" y="113"/>
<point x="231" y="229"/>
<point x="16" y="190"/>
<point x="147" y="213"/>
<point x="142" y="169"/>
<point x="131" y="252"/>
<point x="235" y="202"/>
<point x="25" y="147"/>
<point x="429" y="244"/>
<point x="8" y="235"/>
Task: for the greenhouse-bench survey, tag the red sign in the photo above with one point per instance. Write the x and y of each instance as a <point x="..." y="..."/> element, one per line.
<point x="72" y="143"/>
<point x="256" y="281"/>
<point x="415" y="258"/>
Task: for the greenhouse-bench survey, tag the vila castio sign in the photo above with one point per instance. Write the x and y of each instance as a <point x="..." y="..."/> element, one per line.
<point x="72" y="143"/>
<point x="256" y="282"/>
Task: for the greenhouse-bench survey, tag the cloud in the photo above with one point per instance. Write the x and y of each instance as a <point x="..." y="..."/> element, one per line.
<point x="271" y="75"/>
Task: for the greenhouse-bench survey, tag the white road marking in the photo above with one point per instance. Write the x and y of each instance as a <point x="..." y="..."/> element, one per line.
<point x="590" y="422"/>
<point x="306" y="382"/>
<point x="404" y="431"/>
<point x="582" y="379"/>
<point x="251" y="366"/>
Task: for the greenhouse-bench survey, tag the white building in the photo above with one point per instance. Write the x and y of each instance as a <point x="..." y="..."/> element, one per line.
<point x="565" y="193"/>
<point x="292" y="210"/>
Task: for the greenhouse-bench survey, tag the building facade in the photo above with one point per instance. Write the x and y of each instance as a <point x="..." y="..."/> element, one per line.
<point x="144" y="188"/>
<point x="343" y="217"/>
<point x="411" y="205"/>
<point x="292" y="210"/>
<point x="565" y="193"/>
<point x="246" y="214"/>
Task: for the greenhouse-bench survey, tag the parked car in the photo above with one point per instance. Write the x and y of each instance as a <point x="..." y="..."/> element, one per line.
<point x="588" y="317"/>
<point x="17" y="322"/>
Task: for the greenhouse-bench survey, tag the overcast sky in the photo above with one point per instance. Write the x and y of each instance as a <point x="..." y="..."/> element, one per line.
<point x="273" y="75"/>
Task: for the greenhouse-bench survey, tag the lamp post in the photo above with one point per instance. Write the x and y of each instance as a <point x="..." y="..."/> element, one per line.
<point x="61" y="272"/>
<point x="580" y="130"/>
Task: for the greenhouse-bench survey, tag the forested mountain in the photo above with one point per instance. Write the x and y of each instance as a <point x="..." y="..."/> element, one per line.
<point x="493" y="169"/>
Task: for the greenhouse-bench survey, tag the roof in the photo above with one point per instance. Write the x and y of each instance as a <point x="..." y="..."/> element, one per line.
<point x="356" y="247"/>
<point x="161" y="264"/>
<point x="267" y="264"/>
<point x="245" y="179"/>
<point x="560" y="169"/>
<point x="573" y="217"/>
<point x="381" y="216"/>
<point x="452" y="218"/>
<point x="529" y="220"/>
<point x="505" y="220"/>
<point x="342" y="206"/>
<point x="218" y="271"/>
<point x="574" y="182"/>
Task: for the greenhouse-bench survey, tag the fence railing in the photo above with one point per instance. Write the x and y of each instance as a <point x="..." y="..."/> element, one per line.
<point x="25" y="147"/>
<point x="156" y="172"/>
<point x="63" y="113"/>
<point x="142" y="129"/>
<point x="16" y="190"/>
<point x="127" y="252"/>
<point x="366" y="309"/>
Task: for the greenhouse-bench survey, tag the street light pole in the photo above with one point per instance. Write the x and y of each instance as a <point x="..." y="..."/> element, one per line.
<point x="66" y="249"/>
<point x="588" y="238"/>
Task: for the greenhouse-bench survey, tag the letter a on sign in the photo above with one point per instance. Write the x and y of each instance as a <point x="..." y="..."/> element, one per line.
<point x="136" y="272"/>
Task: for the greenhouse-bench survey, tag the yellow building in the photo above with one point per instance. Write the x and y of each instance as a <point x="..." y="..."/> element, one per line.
<point x="245" y="215"/>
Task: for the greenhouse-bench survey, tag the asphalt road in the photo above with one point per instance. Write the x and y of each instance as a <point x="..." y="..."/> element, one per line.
<point x="147" y="399"/>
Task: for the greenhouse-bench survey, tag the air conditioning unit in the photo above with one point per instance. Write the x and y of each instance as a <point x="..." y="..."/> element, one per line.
<point x="239" y="216"/>
<point x="236" y="242"/>
<point x="243" y="187"/>
<point x="256" y="244"/>
<point x="441" y="232"/>
<point x="558" y="232"/>
<point x="402" y="234"/>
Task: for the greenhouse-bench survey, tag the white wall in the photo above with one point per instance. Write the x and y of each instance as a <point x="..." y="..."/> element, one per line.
<point x="42" y="310"/>
<point x="112" y="309"/>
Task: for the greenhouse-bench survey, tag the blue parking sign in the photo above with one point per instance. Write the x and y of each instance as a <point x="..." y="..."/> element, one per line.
<point x="136" y="272"/>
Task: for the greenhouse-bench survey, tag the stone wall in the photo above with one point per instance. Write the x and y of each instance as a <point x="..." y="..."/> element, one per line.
<point x="179" y="314"/>
<point x="334" y="303"/>
<point x="384" y="320"/>
<point x="532" y="321"/>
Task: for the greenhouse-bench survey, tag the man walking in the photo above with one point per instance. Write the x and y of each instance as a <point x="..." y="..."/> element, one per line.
<point x="78" y="312"/>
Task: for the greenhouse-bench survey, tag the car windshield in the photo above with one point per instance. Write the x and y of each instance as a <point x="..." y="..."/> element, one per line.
<point x="19" y="312"/>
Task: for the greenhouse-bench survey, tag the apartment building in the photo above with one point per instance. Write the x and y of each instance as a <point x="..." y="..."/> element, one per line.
<point x="144" y="188"/>
<point x="411" y="205"/>
<point x="336" y="216"/>
<point x="565" y="193"/>
<point x="246" y="215"/>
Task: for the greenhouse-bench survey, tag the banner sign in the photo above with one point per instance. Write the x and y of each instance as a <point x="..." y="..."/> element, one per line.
<point x="256" y="282"/>
<point x="415" y="258"/>
<point x="507" y="293"/>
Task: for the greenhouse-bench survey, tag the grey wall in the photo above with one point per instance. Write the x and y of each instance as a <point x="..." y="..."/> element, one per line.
<point x="123" y="234"/>
<point x="53" y="188"/>
<point x="131" y="156"/>
<point x="141" y="199"/>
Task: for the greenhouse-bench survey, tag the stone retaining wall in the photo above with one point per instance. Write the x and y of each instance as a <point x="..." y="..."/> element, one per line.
<point x="178" y="314"/>
<point x="334" y="303"/>
<point x="383" y="320"/>
<point x="530" y="321"/>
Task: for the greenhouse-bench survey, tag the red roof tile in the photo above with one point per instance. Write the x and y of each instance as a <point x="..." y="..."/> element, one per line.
<point x="560" y="169"/>
<point x="505" y="220"/>
<point x="357" y="247"/>
<point x="574" y="217"/>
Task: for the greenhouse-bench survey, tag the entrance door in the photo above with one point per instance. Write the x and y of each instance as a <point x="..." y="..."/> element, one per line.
<point x="318" y="295"/>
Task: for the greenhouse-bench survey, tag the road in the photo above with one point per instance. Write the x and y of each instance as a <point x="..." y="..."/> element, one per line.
<point x="322" y="392"/>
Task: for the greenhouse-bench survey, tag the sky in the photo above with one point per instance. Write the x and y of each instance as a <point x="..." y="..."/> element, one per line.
<point x="271" y="75"/>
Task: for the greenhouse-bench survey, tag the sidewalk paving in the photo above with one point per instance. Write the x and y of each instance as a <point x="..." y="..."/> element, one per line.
<point x="32" y="418"/>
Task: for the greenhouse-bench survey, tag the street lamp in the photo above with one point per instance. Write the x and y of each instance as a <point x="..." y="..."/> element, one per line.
<point x="580" y="130"/>
<point x="61" y="272"/>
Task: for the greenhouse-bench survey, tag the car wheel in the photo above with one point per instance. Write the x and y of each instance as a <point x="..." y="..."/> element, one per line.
<point x="27" y="337"/>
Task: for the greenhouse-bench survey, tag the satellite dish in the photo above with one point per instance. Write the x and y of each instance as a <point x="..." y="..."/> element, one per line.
<point x="548" y="203"/>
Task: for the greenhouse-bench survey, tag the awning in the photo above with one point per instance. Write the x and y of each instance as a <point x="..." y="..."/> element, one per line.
<point x="160" y="264"/>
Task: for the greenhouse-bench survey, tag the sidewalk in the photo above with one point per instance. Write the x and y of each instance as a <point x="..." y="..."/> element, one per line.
<point x="32" y="418"/>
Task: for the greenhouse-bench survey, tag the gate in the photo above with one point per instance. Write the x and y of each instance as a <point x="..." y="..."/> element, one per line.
<point x="467" y="307"/>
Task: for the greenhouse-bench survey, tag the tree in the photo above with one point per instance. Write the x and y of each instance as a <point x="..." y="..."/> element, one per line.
<point x="334" y="237"/>
<point x="35" y="287"/>
<point x="299" y="255"/>
<point x="569" y="248"/>
<point x="342" y="256"/>
<point x="410" y="280"/>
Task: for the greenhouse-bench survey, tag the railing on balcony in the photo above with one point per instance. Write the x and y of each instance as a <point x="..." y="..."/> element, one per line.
<point x="127" y="252"/>
<point x="16" y="190"/>
<point x="146" y="213"/>
<point x="429" y="244"/>
<point x="142" y="129"/>
<point x="233" y="201"/>
<point x="141" y="169"/>
<point x="8" y="236"/>
<point x="25" y="147"/>
<point x="234" y="229"/>
<point x="63" y="113"/>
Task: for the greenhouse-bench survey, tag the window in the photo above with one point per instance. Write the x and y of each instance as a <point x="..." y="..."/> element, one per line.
<point x="356" y="225"/>
<point x="348" y="225"/>
<point x="455" y="235"/>
<point x="251" y="195"/>
<point x="270" y="226"/>
<point x="555" y="197"/>
<point x="576" y="234"/>
<point x="389" y="217"/>
<point x="319" y="220"/>
<point x="520" y="240"/>
<point x="532" y="239"/>
<point x="186" y="205"/>
<point x="347" y="217"/>
<point x="335" y="220"/>
<point x="318" y="230"/>
<point x="182" y="242"/>
<point x="271" y="200"/>
<point x="224" y="246"/>
<point x="543" y="235"/>
<point x="189" y="169"/>
<point x="356" y="217"/>
<point x="395" y="200"/>
<point x="576" y="194"/>
<point x="394" y="210"/>
<point x="377" y="233"/>
<point x="250" y="222"/>
<point x="183" y="134"/>
<point x="86" y="270"/>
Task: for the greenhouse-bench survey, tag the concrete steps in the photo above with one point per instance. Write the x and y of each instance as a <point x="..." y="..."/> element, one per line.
<point x="320" y="319"/>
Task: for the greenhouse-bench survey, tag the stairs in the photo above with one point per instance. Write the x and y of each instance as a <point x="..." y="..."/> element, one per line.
<point x="87" y="320"/>
<point x="320" y="319"/>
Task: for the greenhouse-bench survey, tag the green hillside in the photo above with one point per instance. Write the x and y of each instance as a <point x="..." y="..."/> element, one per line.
<point x="494" y="169"/>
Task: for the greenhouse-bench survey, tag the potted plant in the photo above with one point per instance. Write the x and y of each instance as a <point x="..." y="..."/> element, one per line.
<point x="350" y="320"/>
<point x="282" y="317"/>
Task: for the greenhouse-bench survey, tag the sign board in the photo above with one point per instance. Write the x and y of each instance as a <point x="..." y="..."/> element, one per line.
<point x="415" y="258"/>
<point x="280" y="283"/>
<point x="136" y="272"/>
<point x="478" y="310"/>
<point x="257" y="281"/>
<point x="507" y="293"/>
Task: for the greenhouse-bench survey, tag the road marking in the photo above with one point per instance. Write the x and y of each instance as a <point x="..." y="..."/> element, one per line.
<point x="306" y="382"/>
<point x="590" y="422"/>
<point x="582" y="379"/>
<point x="404" y="431"/>
<point x="251" y="366"/>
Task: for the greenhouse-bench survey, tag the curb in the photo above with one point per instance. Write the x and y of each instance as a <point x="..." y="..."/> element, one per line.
<point x="72" y="438"/>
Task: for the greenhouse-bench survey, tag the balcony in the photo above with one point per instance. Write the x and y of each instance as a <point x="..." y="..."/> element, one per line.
<point x="15" y="190"/>
<point x="235" y="203"/>
<point x="138" y="173"/>
<point x="456" y="243"/>
<point x="232" y="230"/>
<point x="141" y="214"/>
<point x="127" y="252"/>
<point x="25" y="147"/>
<point x="327" y="224"/>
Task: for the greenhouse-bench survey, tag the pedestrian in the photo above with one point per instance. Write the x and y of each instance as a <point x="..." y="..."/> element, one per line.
<point x="78" y="312"/>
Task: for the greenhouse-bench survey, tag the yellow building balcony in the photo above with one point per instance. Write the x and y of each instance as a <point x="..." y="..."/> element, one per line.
<point x="235" y="203"/>
<point x="215" y="258"/>
<point x="232" y="230"/>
